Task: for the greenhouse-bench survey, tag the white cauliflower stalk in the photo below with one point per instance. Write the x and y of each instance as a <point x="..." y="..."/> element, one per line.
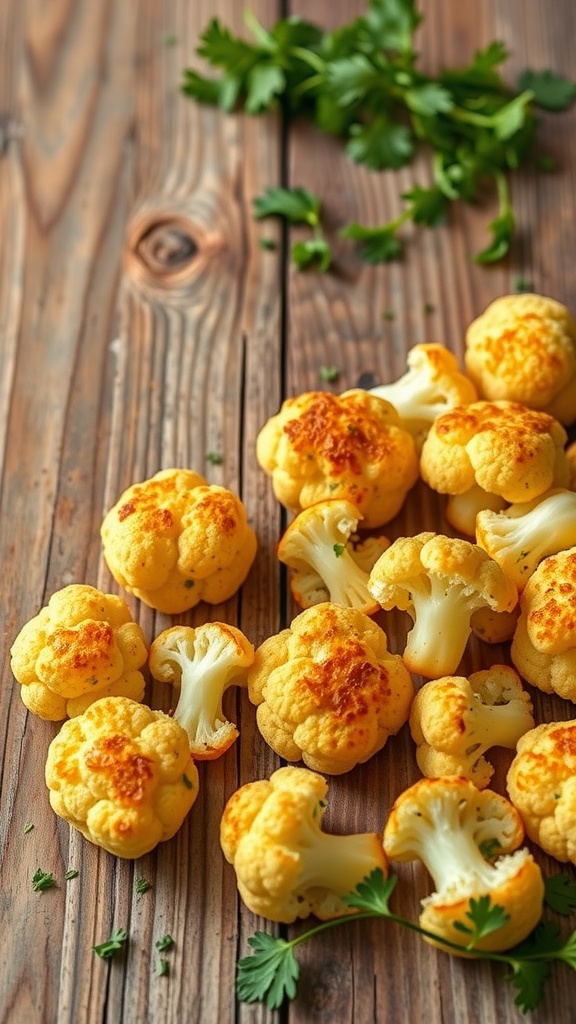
<point x="432" y="385"/>
<point x="525" y="533"/>
<point x="202" y="663"/>
<point x="320" y="551"/>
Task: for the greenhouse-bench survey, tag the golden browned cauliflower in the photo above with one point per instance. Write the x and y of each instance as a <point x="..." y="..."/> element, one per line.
<point x="431" y="385"/>
<point x="82" y="646"/>
<point x="442" y="583"/>
<point x="455" y="720"/>
<point x="541" y="783"/>
<point x="286" y="866"/>
<point x="327" y="689"/>
<point x="544" y="643"/>
<point x="122" y="775"/>
<point x="487" y="454"/>
<point x="174" y="540"/>
<point x="350" y="446"/>
<point x="468" y="840"/>
<point x="523" y="348"/>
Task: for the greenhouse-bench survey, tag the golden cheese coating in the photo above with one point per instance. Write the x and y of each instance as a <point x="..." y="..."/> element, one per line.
<point x="174" y="540"/>
<point x="122" y="775"/>
<point x="350" y="446"/>
<point x="327" y="689"/>
<point x="541" y="784"/>
<point x="523" y="348"/>
<point x="82" y="646"/>
<point x="504" y="447"/>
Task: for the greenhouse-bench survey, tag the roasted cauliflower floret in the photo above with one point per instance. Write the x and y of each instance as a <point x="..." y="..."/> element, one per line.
<point x="488" y="454"/>
<point x="441" y="582"/>
<point x="203" y="663"/>
<point x="523" y="534"/>
<point x="122" y="775"/>
<point x="286" y="866"/>
<point x="81" y="646"/>
<point x="523" y="348"/>
<point x="351" y="446"/>
<point x="432" y="384"/>
<point x="175" y="540"/>
<point x="327" y="689"/>
<point x="465" y="837"/>
<point x="541" y="783"/>
<point x="455" y="720"/>
<point x="321" y="552"/>
<point x="544" y="644"/>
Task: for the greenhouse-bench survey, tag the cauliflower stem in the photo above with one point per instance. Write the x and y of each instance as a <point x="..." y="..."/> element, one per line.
<point x="442" y="612"/>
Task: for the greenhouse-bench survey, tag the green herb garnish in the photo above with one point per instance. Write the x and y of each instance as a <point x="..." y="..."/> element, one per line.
<point x="164" y="944"/>
<point x="142" y="885"/>
<point x="108" y="949"/>
<point x="270" y="973"/>
<point x="42" y="880"/>
<point x="363" y="83"/>
<point x="298" y="206"/>
<point x="214" y="458"/>
<point x="329" y="373"/>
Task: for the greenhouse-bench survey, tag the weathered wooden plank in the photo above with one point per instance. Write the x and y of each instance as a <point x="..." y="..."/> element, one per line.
<point x="143" y="326"/>
<point x="337" y="319"/>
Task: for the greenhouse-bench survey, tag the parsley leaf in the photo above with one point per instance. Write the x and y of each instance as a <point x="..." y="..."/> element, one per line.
<point x="297" y="205"/>
<point x="329" y="373"/>
<point x="362" y="83"/>
<point x="111" y="946"/>
<point x="314" y="251"/>
<point x="42" y="880"/>
<point x="164" y="944"/>
<point x="268" y="975"/>
<point x="560" y="893"/>
<point x="427" y="205"/>
<point x="381" y="143"/>
<point x="377" y="245"/>
<point x="485" y="917"/>
<point x="550" y="90"/>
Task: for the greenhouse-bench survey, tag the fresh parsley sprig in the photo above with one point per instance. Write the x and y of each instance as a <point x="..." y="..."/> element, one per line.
<point x="298" y="206"/>
<point x="270" y="973"/>
<point x="362" y="82"/>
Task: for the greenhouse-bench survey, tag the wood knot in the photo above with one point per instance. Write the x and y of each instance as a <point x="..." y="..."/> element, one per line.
<point x="166" y="246"/>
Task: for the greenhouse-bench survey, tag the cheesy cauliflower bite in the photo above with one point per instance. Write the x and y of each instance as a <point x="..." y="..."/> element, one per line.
<point x="431" y="385"/>
<point x="82" y="646"/>
<point x="468" y="840"/>
<point x="286" y="866"/>
<point x="523" y="348"/>
<point x="543" y="647"/>
<point x="455" y="720"/>
<point x="327" y="689"/>
<point x="122" y="775"/>
<point x="350" y="446"/>
<point x="541" y="783"/>
<point x="175" y="540"/>
<point x="487" y="454"/>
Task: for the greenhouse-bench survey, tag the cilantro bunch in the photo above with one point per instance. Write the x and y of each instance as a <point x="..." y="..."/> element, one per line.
<point x="270" y="973"/>
<point x="362" y="83"/>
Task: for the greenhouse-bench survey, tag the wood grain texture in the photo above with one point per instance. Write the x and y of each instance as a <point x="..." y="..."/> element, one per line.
<point x="142" y="326"/>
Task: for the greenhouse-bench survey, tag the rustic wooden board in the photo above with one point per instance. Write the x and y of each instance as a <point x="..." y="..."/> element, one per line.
<point x="142" y="326"/>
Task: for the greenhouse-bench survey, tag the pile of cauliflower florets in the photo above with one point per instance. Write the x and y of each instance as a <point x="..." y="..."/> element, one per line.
<point x="327" y="690"/>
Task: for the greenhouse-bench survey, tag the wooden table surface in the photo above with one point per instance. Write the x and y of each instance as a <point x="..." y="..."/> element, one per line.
<point x="142" y="326"/>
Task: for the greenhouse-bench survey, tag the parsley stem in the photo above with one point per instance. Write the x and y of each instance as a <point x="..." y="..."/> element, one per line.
<point x="309" y="57"/>
<point x="485" y="954"/>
